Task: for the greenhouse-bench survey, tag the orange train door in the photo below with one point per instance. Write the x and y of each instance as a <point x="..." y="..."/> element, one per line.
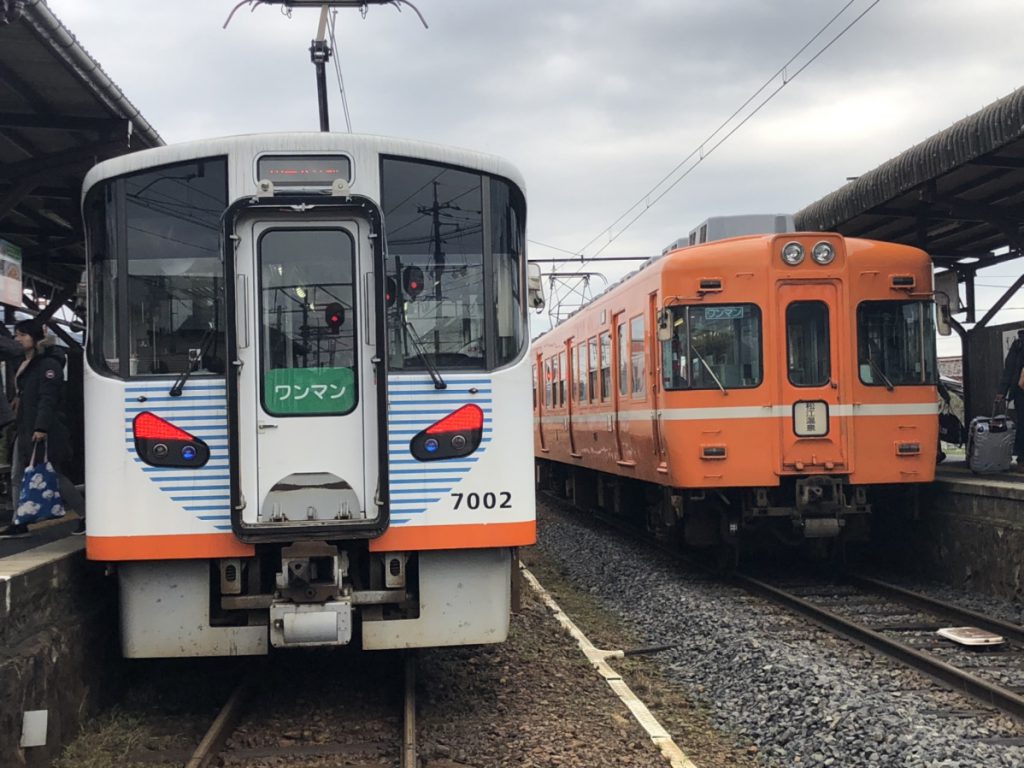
<point x="812" y="390"/>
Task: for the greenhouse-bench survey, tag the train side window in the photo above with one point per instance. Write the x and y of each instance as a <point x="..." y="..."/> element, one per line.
<point x="547" y="383"/>
<point x="714" y="346"/>
<point x="592" y="369"/>
<point x="562" y="373"/>
<point x="581" y="373"/>
<point x="606" y="365"/>
<point x="623" y="361"/>
<point x="808" y="354"/>
<point x="636" y="354"/>
<point x="555" y="373"/>
<point x="533" y="377"/>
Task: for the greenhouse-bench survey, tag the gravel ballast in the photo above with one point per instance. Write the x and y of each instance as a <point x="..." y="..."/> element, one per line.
<point x="802" y="696"/>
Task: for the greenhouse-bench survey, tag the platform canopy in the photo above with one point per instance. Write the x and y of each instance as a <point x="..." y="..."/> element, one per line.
<point x="59" y="115"/>
<point x="957" y="195"/>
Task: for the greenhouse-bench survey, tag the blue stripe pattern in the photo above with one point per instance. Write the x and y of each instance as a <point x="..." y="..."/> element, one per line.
<point x="202" y="410"/>
<point x="414" y="405"/>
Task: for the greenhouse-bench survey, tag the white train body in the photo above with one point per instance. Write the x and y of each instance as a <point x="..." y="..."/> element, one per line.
<point x="307" y="400"/>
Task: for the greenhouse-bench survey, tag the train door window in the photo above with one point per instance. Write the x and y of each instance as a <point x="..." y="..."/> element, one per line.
<point x="636" y="354"/>
<point x="896" y="343"/>
<point x="592" y="369"/>
<point x="547" y="383"/>
<point x="623" y="360"/>
<point x="581" y="373"/>
<point x="533" y="378"/>
<point x="606" y="365"/>
<point x="562" y="373"/>
<point x="307" y="321"/>
<point x="555" y="372"/>
<point x="808" y="356"/>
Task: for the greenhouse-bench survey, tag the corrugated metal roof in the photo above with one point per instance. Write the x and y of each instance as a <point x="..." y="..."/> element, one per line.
<point x="59" y="114"/>
<point x="957" y="194"/>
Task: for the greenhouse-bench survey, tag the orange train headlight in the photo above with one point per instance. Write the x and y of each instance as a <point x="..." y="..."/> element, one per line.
<point x="823" y="253"/>
<point x="792" y="253"/>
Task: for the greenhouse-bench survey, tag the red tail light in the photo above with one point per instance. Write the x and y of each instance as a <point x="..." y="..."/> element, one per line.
<point x="149" y="426"/>
<point x="467" y="419"/>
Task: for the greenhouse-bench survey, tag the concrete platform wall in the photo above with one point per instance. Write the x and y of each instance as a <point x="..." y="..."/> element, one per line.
<point x="58" y="645"/>
<point x="971" y="532"/>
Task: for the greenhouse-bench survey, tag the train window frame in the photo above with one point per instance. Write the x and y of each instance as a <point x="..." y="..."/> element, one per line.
<point x="592" y="368"/>
<point x="581" y="373"/>
<point x="547" y="383"/>
<point x="605" y="350"/>
<point x="562" y="372"/>
<point x="827" y="357"/>
<point x="352" y="321"/>
<point x="623" y="367"/>
<point x="637" y="361"/>
<point x="925" y="334"/>
<point x="493" y="237"/>
<point x="673" y="385"/>
<point x="114" y="348"/>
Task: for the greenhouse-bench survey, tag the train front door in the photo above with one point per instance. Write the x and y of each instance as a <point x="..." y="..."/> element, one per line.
<point x="811" y="381"/>
<point x="305" y="419"/>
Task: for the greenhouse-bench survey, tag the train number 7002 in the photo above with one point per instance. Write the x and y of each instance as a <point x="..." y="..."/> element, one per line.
<point x="499" y="500"/>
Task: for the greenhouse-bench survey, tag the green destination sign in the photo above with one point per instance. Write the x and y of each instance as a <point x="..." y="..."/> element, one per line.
<point x="288" y="391"/>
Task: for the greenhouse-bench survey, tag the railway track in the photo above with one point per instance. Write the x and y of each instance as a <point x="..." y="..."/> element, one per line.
<point x="902" y="624"/>
<point x="895" y="622"/>
<point x="215" y="748"/>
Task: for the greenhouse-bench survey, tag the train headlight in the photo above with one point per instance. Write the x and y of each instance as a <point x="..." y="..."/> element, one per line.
<point x="793" y="253"/>
<point x="823" y="253"/>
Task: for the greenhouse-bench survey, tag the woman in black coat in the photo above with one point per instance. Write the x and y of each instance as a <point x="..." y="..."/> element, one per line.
<point x="39" y="409"/>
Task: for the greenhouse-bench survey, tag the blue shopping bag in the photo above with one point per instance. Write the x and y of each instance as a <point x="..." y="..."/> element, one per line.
<point x="40" y="491"/>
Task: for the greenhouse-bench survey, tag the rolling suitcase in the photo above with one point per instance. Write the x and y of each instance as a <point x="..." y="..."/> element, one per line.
<point x="990" y="444"/>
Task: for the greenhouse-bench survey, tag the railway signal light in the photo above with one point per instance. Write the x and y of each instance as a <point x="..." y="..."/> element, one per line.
<point x="412" y="281"/>
<point x="334" y="316"/>
<point x="390" y="291"/>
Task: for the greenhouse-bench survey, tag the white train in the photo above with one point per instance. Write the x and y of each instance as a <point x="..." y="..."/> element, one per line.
<point x="307" y="393"/>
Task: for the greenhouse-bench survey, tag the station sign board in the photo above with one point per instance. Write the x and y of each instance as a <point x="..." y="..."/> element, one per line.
<point x="10" y="274"/>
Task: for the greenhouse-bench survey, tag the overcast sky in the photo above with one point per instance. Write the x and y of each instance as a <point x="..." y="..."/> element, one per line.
<point x="595" y="101"/>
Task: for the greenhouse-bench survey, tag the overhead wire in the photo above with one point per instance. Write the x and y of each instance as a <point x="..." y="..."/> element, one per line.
<point x="703" y="151"/>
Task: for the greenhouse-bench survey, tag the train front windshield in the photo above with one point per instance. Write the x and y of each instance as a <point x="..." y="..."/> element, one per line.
<point x="454" y="265"/>
<point x="896" y="343"/>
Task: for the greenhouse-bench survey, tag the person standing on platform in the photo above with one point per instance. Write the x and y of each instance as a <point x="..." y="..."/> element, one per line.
<point x="39" y="417"/>
<point x="1011" y="384"/>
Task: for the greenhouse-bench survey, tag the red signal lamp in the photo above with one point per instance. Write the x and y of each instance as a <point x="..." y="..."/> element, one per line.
<point x="468" y="418"/>
<point x="149" y="426"/>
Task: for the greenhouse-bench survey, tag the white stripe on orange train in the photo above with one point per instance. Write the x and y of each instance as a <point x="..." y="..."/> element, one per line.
<point x="745" y="412"/>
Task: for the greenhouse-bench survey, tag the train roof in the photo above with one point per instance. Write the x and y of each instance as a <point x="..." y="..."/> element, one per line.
<point x="304" y="141"/>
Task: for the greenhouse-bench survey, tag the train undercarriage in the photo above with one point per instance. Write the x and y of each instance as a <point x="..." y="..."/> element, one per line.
<point x="817" y="513"/>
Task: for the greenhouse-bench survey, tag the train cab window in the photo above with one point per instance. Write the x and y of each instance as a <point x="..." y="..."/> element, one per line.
<point x="623" y="360"/>
<point x="455" y="249"/>
<point x="562" y="373"/>
<point x="156" y="278"/>
<point x="307" y="321"/>
<point x="896" y="343"/>
<point x="606" y="365"/>
<point x="581" y="373"/>
<point x="592" y="369"/>
<point x="713" y="347"/>
<point x="636" y="355"/>
<point x="547" y="383"/>
<point x="808" y="356"/>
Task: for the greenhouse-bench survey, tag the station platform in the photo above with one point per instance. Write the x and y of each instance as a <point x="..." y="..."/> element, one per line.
<point x="970" y="531"/>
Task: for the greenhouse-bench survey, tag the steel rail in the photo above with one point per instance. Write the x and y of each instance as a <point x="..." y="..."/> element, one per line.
<point x="981" y="690"/>
<point x="222" y="726"/>
<point x="1013" y="632"/>
<point x="409" y="752"/>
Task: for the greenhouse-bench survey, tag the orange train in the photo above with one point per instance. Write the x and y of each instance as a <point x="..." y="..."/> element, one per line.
<point x="775" y="382"/>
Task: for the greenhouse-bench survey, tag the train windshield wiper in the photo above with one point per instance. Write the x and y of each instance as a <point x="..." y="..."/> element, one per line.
<point x="707" y="367"/>
<point x="435" y="375"/>
<point x="878" y="369"/>
<point x="193" y="363"/>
